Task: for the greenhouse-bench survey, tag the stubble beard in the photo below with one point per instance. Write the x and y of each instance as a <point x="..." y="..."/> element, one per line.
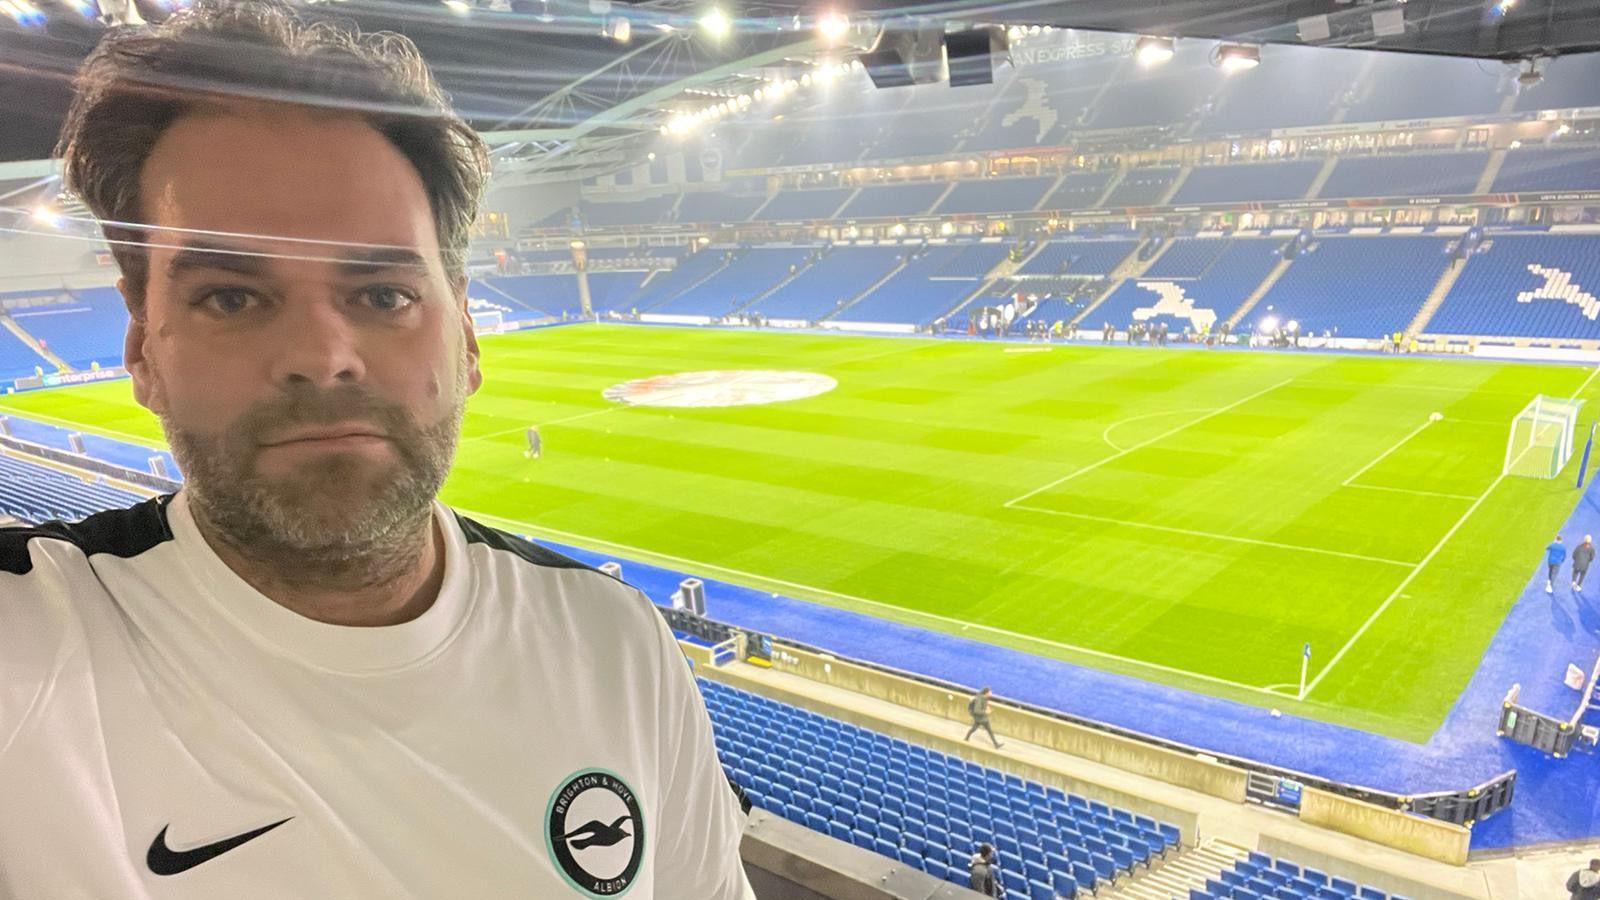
<point x="337" y="520"/>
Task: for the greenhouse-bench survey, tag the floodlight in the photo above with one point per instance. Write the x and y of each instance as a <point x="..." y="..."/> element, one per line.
<point x="1269" y="324"/>
<point x="1238" y="57"/>
<point x="833" y="26"/>
<point x="1152" y="51"/>
<point x="715" y="24"/>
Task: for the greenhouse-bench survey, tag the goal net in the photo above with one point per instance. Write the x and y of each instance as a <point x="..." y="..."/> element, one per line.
<point x="1541" y="437"/>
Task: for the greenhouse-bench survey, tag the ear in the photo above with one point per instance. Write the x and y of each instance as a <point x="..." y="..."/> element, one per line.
<point x="145" y="385"/>
<point x="470" y="336"/>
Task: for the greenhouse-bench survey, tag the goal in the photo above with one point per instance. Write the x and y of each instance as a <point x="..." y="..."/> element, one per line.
<point x="1541" y="437"/>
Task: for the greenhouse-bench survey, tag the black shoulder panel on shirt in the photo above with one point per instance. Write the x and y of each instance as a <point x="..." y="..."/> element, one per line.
<point x="124" y="533"/>
<point x="478" y="533"/>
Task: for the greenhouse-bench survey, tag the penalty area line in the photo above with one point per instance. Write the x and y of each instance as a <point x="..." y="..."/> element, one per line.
<point x="752" y="579"/>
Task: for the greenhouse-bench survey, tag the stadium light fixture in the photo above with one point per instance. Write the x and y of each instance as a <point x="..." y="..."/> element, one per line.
<point x="619" y="29"/>
<point x="715" y="24"/>
<point x="1152" y="51"/>
<point x="1237" y="57"/>
<point x="832" y="26"/>
<point x="459" y="7"/>
<point x="46" y="216"/>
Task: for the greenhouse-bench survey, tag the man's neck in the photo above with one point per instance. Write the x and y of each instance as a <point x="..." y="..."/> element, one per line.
<point x="398" y="587"/>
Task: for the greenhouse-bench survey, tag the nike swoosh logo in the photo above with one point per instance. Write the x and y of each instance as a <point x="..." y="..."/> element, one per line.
<point x="164" y="860"/>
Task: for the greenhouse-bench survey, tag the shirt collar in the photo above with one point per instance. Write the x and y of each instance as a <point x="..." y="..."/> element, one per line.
<point x="342" y="648"/>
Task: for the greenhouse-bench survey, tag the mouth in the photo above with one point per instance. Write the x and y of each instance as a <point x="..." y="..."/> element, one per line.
<point x="330" y="437"/>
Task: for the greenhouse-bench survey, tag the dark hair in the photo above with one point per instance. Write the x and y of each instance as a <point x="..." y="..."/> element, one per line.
<point x="138" y="81"/>
<point x="986" y="851"/>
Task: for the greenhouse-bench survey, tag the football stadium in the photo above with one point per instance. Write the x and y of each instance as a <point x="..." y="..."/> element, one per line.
<point x="1210" y="380"/>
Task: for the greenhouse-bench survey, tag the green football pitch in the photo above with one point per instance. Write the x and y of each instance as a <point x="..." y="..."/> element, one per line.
<point x="1189" y="517"/>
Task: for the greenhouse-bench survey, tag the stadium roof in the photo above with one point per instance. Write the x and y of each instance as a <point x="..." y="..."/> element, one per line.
<point x="552" y="91"/>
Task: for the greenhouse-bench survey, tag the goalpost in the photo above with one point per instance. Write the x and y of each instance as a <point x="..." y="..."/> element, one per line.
<point x="1542" y="437"/>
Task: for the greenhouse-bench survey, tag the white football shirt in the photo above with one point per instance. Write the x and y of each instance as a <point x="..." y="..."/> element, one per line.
<point x="166" y="731"/>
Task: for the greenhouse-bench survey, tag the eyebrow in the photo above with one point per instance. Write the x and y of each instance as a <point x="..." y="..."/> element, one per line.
<point x="206" y="256"/>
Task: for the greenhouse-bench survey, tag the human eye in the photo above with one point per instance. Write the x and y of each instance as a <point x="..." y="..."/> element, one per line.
<point x="389" y="299"/>
<point x="228" y="301"/>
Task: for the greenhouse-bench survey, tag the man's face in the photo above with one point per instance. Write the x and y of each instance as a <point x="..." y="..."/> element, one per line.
<point x="311" y="383"/>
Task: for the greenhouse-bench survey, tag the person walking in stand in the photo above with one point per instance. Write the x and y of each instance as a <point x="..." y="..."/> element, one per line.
<point x="978" y="706"/>
<point x="1582" y="556"/>
<point x="1554" y="556"/>
<point x="984" y="874"/>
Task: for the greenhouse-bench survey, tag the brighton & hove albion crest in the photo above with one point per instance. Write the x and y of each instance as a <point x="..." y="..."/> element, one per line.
<point x="595" y="831"/>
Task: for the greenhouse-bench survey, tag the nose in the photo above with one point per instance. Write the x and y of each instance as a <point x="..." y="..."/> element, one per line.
<point x="318" y="346"/>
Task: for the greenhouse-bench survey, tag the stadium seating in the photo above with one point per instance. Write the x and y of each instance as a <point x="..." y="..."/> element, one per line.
<point x="1078" y="256"/>
<point x="716" y="207"/>
<point x="1142" y="187"/>
<point x="534" y="296"/>
<point x="994" y="195"/>
<point x="841" y="275"/>
<point x="612" y="291"/>
<point x="1169" y="95"/>
<point x="663" y="286"/>
<point x="746" y="277"/>
<point x="1549" y="169"/>
<point x="889" y="200"/>
<point x="620" y="213"/>
<point x="86" y="329"/>
<point x="1357" y="286"/>
<point x="1214" y="274"/>
<point x="1488" y="297"/>
<point x="1425" y="174"/>
<point x="1079" y="190"/>
<point x="1402" y="86"/>
<point x="1254" y="101"/>
<point x="797" y="205"/>
<point x="922" y="807"/>
<point x="934" y="280"/>
<point x="1259" y="875"/>
<point x="1248" y="181"/>
<point x="17" y="360"/>
<point x="35" y="493"/>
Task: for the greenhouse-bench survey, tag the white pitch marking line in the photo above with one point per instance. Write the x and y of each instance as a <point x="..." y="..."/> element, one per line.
<point x="1106" y="435"/>
<point x="1400" y="490"/>
<point x="1145" y="443"/>
<point x="1218" y="537"/>
<point x="1592" y="374"/>
<point x="690" y="565"/>
<point x="1385" y="454"/>
<point x="1395" y="594"/>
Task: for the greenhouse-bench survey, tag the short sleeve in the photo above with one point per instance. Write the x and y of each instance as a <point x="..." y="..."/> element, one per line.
<point x="701" y="822"/>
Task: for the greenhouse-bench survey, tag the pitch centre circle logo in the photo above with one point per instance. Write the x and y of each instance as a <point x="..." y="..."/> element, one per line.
<point x="594" y="829"/>
<point x="721" y="387"/>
